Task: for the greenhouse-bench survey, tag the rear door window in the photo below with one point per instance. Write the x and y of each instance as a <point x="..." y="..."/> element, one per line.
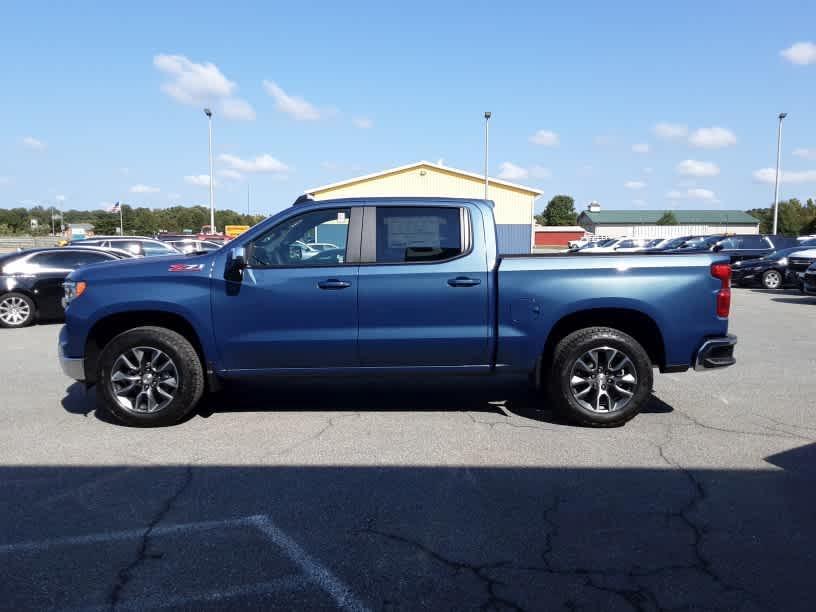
<point x="754" y="242"/>
<point x="418" y="234"/>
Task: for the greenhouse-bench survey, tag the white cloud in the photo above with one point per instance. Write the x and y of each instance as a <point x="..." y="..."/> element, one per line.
<point x="232" y="175"/>
<point x="237" y="109"/>
<point x="199" y="180"/>
<point x="297" y="107"/>
<point x="641" y="147"/>
<point x="34" y="144"/>
<point x="712" y="138"/>
<point x="634" y="185"/>
<point x="802" y="53"/>
<point x="805" y="153"/>
<point x="545" y="138"/>
<point x="364" y="123"/>
<point x="696" y="193"/>
<point x="691" y="167"/>
<point x="512" y="172"/>
<point x="193" y="83"/>
<point x="670" y="131"/>
<point x="540" y="172"/>
<point x="768" y="175"/>
<point x="60" y="198"/>
<point x="261" y="164"/>
<point x="140" y="188"/>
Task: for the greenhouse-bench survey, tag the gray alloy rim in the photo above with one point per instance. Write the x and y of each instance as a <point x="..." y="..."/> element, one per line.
<point x="144" y="380"/>
<point x="772" y="279"/>
<point x="603" y="379"/>
<point x="14" y="310"/>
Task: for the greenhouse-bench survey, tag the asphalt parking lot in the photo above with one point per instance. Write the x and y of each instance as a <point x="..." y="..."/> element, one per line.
<point x="462" y="494"/>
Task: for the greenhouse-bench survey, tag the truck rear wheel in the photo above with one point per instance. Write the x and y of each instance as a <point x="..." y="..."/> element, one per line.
<point x="149" y="377"/>
<point x="600" y="377"/>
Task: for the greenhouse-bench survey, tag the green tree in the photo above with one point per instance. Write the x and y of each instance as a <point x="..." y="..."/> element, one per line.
<point x="668" y="218"/>
<point x="560" y="210"/>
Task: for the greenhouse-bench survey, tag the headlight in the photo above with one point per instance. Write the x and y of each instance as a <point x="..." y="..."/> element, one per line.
<point x="783" y="261"/>
<point x="73" y="290"/>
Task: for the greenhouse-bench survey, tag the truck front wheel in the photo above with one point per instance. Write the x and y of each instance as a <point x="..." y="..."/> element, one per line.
<point x="601" y="377"/>
<point x="149" y="377"/>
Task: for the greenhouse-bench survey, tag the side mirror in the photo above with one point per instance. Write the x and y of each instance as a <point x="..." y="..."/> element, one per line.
<point x="717" y="248"/>
<point x="237" y="261"/>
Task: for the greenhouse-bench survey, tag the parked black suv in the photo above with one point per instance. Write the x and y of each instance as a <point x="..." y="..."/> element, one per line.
<point x="738" y="247"/>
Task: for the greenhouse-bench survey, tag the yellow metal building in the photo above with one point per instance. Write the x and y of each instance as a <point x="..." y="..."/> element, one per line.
<point x="513" y="203"/>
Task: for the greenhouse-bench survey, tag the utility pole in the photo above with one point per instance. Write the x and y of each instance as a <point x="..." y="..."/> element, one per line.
<point x="487" y="116"/>
<point x="208" y="112"/>
<point x="776" y="181"/>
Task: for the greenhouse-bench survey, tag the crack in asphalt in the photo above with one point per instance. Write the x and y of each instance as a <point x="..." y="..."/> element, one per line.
<point x="329" y="423"/>
<point x="703" y="564"/>
<point x="126" y="573"/>
<point x="762" y="434"/>
<point x="478" y="571"/>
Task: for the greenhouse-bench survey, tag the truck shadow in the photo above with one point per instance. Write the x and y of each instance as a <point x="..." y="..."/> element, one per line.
<point x="509" y="397"/>
<point x="409" y="537"/>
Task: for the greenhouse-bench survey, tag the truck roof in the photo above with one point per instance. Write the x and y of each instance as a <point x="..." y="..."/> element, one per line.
<point x="393" y="201"/>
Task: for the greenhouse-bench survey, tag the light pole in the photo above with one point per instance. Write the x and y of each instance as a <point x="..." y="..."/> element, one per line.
<point x="487" y="116"/>
<point x="776" y="181"/>
<point x="208" y="112"/>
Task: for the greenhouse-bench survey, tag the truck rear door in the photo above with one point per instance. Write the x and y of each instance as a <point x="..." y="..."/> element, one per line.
<point x="423" y="288"/>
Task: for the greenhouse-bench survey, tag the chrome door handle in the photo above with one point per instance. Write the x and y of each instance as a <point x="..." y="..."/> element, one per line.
<point x="333" y="283"/>
<point x="463" y="281"/>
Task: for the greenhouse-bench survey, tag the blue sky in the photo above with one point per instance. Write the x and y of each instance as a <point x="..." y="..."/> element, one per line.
<point x="102" y="102"/>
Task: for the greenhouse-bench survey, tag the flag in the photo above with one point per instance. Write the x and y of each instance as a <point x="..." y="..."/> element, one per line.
<point x="115" y="208"/>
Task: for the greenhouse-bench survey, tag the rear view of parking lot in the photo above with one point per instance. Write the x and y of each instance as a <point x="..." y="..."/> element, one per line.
<point x="382" y="495"/>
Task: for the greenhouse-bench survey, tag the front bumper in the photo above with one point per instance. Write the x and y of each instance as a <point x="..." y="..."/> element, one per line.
<point x="716" y="353"/>
<point x="73" y="367"/>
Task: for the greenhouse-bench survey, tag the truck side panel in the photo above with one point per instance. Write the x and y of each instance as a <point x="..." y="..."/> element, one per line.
<point x="677" y="292"/>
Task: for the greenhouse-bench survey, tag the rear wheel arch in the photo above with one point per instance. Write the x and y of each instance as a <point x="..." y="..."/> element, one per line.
<point x="107" y="328"/>
<point x="635" y="323"/>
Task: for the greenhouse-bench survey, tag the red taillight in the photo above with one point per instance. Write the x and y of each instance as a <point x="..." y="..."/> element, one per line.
<point x="722" y="271"/>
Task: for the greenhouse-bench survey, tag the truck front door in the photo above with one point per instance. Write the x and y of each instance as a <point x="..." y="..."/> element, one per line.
<point x="293" y="307"/>
<point x="423" y="288"/>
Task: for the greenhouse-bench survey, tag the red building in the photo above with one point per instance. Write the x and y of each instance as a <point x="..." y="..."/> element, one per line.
<point x="557" y="236"/>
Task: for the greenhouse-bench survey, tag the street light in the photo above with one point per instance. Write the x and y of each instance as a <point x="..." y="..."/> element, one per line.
<point x="208" y="112"/>
<point x="487" y="116"/>
<point x="776" y="181"/>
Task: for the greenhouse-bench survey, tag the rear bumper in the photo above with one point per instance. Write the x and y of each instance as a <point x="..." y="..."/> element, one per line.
<point x="716" y="353"/>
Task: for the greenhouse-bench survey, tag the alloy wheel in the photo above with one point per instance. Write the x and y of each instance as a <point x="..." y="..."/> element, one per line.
<point x="603" y="379"/>
<point x="14" y="310"/>
<point x="144" y="379"/>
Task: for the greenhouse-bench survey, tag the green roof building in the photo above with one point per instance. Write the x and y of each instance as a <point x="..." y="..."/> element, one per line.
<point x="644" y="223"/>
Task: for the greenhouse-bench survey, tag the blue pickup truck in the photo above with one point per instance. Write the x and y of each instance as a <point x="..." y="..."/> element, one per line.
<point x="413" y="286"/>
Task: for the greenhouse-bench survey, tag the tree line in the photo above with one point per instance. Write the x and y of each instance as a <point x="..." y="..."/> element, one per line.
<point x="795" y="218"/>
<point x="138" y="221"/>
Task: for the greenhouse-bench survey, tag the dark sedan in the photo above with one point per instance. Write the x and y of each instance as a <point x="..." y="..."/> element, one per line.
<point x="738" y="247"/>
<point x="771" y="271"/>
<point x="31" y="281"/>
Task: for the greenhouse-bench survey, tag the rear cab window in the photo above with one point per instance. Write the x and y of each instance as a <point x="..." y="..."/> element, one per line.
<point x="417" y="234"/>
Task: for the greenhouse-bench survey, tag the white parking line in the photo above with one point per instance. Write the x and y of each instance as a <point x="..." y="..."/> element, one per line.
<point x="319" y="574"/>
<point x="112" y="536"/>
<point x="313" y="571"/>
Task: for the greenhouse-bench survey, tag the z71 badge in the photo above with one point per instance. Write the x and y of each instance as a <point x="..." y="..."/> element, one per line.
<point x="186" y="268"/>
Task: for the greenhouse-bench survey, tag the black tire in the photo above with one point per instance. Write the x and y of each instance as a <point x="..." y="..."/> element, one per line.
<point x="189" y="376"/>
<point x="13" y="300"/>
<point x="565" y="361"/>
<point x="772" y="279"/>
